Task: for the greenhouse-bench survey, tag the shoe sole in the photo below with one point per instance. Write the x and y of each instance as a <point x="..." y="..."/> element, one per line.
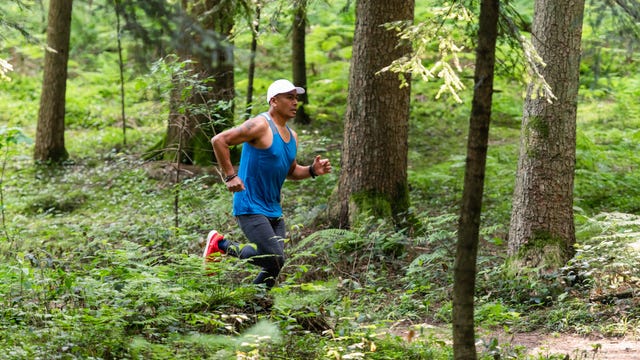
<point x="210" y="237"/>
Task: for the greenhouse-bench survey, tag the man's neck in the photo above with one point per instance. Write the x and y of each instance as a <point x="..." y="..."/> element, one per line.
<point x="277" y="118"/>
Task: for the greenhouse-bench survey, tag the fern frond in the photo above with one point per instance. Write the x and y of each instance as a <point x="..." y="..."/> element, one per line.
<point x="324" y="236"/>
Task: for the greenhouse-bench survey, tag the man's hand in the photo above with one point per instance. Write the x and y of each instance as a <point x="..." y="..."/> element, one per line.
<point x="235" y="184"/>
<point x="321" y="166"/>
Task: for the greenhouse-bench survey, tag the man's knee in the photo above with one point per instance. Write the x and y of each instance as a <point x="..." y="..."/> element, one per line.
<point x="276" y="248"/>
<point x="276" y="262"/>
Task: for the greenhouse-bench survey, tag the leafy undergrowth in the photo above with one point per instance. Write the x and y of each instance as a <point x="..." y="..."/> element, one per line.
<point x="97" y="262"/>
<point x="94" y="267"/>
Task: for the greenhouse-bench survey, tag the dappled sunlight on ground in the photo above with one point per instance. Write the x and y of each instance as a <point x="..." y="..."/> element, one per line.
<point x="538" y="344"/>
<point x="635" y="245"/>
<point x="576" y="347"/>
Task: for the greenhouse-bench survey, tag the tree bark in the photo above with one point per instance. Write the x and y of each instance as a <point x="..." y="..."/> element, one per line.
<point x="298" y="47"/>
<point x="49" y="144"/>
<point x="373" y="176"/>
<point x="255" y="27"/>
<point x="469" y="222"/>
<point x="542" y="230"/>
<point x="117" y="7"/>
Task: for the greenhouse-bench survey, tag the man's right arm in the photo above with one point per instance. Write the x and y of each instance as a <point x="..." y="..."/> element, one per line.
<point x="249" y="131"/>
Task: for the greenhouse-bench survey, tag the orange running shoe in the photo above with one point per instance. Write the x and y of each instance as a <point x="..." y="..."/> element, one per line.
<point x="211" y="248"/>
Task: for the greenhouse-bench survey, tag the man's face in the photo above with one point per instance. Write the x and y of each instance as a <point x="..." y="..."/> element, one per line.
<point x="286" y="103"/>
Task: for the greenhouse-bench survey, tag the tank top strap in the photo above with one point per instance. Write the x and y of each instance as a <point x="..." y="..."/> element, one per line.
<point x="270" y="122"/>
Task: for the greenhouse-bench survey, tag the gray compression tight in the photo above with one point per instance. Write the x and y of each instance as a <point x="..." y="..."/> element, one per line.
<point x="267" y="234"/>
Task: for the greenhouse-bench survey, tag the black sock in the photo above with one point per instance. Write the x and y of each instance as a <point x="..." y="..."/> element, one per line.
<point x="224" y="244"/>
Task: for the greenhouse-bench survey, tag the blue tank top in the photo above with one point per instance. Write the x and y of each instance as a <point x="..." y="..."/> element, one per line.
<point x="263" y="172"/>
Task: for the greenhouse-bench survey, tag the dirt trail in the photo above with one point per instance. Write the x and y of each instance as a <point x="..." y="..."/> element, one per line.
<point x="538" y="343"/>
<point x="577" y="347"/>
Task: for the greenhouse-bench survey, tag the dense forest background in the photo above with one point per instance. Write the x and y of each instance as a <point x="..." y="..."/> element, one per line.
<point x="101" y="254"/>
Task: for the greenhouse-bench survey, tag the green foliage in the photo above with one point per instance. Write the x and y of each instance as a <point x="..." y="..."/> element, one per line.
<point x="521" y="287"/>
<point x="336" y="251"/>
<point x="18" y="108"/>
<point x="491" y="314"/>
<point x="114" y="294"/>
<point x="607" y="161"/>
<point x="439" y="33"/>
<point x="603" y="260"/>
<point x="608" y="35"/>
<point x="430" y="268"/>
<point x="12" y="136"/>
<point x="93" y="266"/>
<point x="49" y="203"/>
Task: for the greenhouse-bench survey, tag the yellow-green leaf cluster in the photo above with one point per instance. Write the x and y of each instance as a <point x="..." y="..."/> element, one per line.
<point x="5" y="67"/>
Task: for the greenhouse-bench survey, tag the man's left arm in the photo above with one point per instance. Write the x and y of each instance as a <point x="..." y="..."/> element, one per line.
<point x="318" y="167"/>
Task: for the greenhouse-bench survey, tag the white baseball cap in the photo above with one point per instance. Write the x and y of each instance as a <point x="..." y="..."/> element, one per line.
<point x="280" y="87"/>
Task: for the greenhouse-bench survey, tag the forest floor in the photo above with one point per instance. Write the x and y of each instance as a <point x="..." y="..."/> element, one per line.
<point x="576" y="346"/>
<point x="537" y="344"/>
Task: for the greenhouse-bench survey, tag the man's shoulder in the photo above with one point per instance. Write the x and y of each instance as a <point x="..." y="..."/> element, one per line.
<point x="257" y="131"/>
<point x="258" y="122"/>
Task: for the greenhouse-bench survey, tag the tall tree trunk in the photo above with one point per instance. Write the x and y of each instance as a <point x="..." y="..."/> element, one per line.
<point x="542" y="230"/>
<point x="298" y="47"/>
<point x="193" y="121"/>
<point x="50" y="129"/>
<point x="373" y="177"/>
<point x="117" y="7"/>
<point x="255" y="27"/>
<point x="464" y="347"/>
